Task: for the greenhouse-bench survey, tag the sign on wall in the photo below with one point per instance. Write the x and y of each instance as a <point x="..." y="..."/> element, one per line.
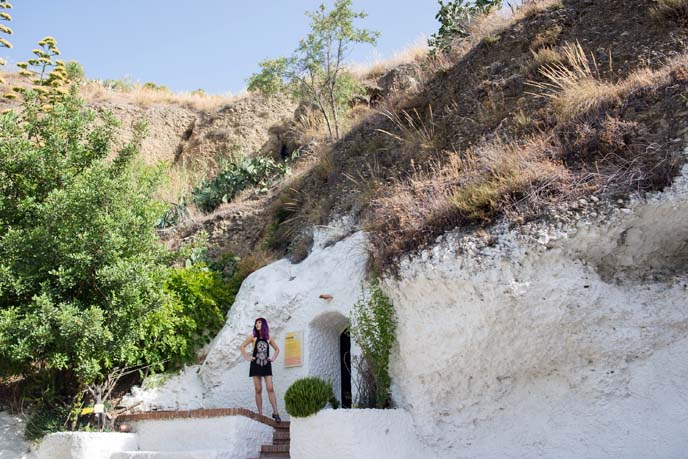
<point x="293" y="349"/>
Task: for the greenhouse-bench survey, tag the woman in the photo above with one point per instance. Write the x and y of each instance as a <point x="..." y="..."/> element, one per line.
<point x="261" y="363"/>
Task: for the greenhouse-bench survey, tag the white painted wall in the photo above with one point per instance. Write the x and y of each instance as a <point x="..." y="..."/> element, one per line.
<point x="287" y="295"/>
<point x="237" y="436"/>
<point x="356" y="434"/>
<point x="566" y="338"/>
<point x="559" y="341"/>
<point x="85" y="445"/>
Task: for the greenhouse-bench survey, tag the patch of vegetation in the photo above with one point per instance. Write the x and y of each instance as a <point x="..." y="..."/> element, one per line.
<point x="315" y="73"/>
<point x="75" y="71"/>
<point x="307" y="396"/>
<point x="455" y="18"/>
<point x="373" y="327"/>
<point x="235" y="177"/>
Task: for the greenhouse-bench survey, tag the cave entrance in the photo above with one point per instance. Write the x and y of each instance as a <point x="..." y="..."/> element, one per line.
<point x="329" y="353"/>
<point x="345" y="364"/>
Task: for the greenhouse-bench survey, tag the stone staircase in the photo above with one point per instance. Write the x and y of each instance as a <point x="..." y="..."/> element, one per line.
<point x="280" y="443"/>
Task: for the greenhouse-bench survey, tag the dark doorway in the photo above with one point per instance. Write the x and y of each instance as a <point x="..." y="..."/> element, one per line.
<point x="345" y="363"/>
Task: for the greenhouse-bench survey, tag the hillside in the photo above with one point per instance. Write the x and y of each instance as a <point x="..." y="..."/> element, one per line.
<point x="560" y="101"/>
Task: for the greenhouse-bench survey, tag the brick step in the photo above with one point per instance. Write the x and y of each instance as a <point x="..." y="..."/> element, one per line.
<point x="274" y="456"/>
<point x="275" y="449"/>
<point x="281" y="435"/>
<point x="281" y="442"/>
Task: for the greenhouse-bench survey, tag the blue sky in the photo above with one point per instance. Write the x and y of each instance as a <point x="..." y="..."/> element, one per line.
<point x="186" y="45"/>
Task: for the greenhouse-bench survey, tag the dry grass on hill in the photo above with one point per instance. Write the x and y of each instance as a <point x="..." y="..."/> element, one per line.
<point x="137" y="94"/>
<point x="564" y="99"/>
<point x="96" y="91"/>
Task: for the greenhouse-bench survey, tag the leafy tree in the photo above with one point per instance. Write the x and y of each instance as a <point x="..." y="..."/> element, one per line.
<point x="316" y="70"/>
<point x="455" y="18"/>
<point x="80" y="262"/>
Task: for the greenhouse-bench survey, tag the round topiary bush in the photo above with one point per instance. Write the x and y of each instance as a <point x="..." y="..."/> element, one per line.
<point x="307" y="396"/>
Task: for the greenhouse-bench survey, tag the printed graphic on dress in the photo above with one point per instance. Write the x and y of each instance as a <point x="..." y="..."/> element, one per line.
<point x="262" y="353"/>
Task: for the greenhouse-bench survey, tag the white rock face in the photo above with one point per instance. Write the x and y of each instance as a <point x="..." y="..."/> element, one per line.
<point x="561" y="339"/>
<point x="569" y="343"/>
<point x="288" y="296"/>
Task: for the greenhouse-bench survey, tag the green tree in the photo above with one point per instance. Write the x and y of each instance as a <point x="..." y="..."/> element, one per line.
<point x="316" y="70"/>
<point x="80" y="262"/>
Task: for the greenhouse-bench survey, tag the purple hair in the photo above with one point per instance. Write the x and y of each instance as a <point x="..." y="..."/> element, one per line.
<point x="264" y="329"/>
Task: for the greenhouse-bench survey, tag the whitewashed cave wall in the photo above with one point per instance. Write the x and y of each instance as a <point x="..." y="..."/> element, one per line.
<point x="556" y="340"/>
<point x="288" y="296"/>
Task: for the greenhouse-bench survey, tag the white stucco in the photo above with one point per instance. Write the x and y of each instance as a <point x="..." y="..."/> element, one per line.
<point x="557" y="341"/>
<point x="12" y="443"/>
<point x="566" y="337"/>
<point x="288" y="296"/>
<point x="356" y="434"/>
<point x="85" y="445"/>
<point x="237" y="437"/>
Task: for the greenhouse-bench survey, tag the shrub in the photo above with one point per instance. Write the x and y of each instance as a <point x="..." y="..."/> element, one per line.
<point x="198" y="299"/>
<point x="44" y="421"/>
<point x="307" y="396"/>
<point x="233" y="178"/>
<point x="155" y="87"/>
<point x="75" y="71"/>
<point x="373" y="327"/>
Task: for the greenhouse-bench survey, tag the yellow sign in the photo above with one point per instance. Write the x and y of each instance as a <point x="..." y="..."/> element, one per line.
<point x="293" y="349"/>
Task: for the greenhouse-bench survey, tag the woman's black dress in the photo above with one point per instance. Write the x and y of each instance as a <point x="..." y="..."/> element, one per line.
<point x="260" y="365"/>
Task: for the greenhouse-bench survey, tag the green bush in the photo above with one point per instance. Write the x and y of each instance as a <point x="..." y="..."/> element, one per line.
<point x="75" y="71"/>
<point x="373" y="327"/>
<point x="198" y="300"/>
<point x="44" y="421"/>
<point x="307" y="396"/>
<point x="233" y="178"/>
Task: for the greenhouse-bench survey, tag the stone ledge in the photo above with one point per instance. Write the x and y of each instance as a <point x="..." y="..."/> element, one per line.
<point x="202" y="413"/>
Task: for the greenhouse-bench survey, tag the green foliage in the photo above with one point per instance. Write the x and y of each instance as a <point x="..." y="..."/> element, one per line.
<point x="198" y="299"/>
<point x="75" y="71"/>
<point x="45" y="421"/>
<point x="233" y="178"/>
<point x="373" y="327"/>
<point x="269" y="80"/>
<point x="315" y="72"/>
<point x="121" y="85"/>
<point x="155" y="87"/>
<point x="455" y="18"/>
<point x="80" y="262"/>
<point x="174" y="215"/>
<point x="307" y="396"/>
